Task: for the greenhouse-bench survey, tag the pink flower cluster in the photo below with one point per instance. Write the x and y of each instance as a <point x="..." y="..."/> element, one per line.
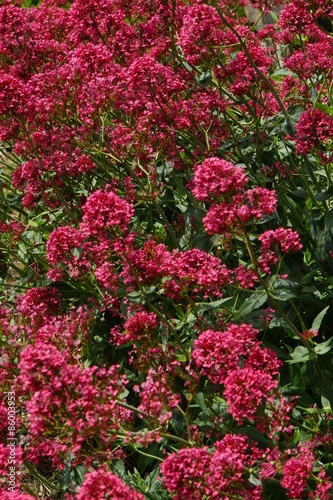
<point x="296" y="18"/>
<point x="216" y="179"/>
<point x="296" y="472"/>
<point x="38" y="305"/>
<point x="313" y="129"/>
<point x="65" y="71"/>
<point x="104" y="211"/>
<point x="201" y="33"/>
<point x="60" y="249"/>
<point x="287" y="239"/>
<point x="157" y="398"/>
<point x="235" y="359"/>
<point x="137" y="327"/>
<point x="80" y="250"/>
<point x="102" y="483"/>
<point x="223" y="184"/>
<point x="63" y="394"/>
<point x="228" y="217"/>
<point x="13" y="228"/>
<point x="185" y="271"/>
<point x="196" y="473"/>
<point x="14" y="495"/>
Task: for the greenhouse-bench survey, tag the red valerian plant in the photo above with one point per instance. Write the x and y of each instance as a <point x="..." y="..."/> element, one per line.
<point x="198" y="473"/>
<point x="103" y="484"/>
<point x="165" y="256"/>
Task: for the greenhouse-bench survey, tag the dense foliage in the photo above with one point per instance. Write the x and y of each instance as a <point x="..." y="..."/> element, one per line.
<point x="166" y="219"/>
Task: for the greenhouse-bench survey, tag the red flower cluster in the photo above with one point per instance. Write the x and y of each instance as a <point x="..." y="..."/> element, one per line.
<point x="313" y="129"/>
<point x="287" y="239"/>
<point x="235" y="359"/>
<point x="197" y="473"/>
<point x="223" y="184"/>
<point x="216" y="179"/>
<point x="63" y="394"/>
<point x="101" y="484"/>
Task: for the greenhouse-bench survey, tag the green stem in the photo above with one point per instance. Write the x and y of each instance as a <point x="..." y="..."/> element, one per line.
<point x="41" y="478"/>
<point x="297" y="314"/>
<point x="171" y="437"/>
<point x="146" y="454"/>
<point x="165" y="435"/>
<point x="132" y="408"/>
<point x="171" y="231"/>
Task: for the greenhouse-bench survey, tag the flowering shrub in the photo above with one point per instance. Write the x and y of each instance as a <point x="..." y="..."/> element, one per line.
<point x="166" y="220"/>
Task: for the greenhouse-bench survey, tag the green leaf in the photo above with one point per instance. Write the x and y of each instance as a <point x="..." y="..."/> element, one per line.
<point x="318" y="319"/>
<point x="68" y="291"/>
<point x="287" y="127"/>
<point x="296" y="114"/>
<point x="187" y="66"/>
<point x="178" y="423"/>
<point x="119" y="469"/>
<point x="151" y="479"/>
<point x="23" y="248"/>
<point x="329" y="220"/>
<point x="65" y="479"/>
<point x="14" y="200"/>
<point x="308" y="278"/>
<point x="280" y="74"/>
<point x="79" y="473"/>
<point x="273" y="16"/>
<point x="199" y="398"/>
<point x="3" y="268"/>
<point x="256" y="300"/>
<point x="164" y="169"/>
<point x="325" y="403"/>
<point x="204" y="79"/>
<point x="254" y="480"/>
<point x="324" y="347"/>
<point x="284" y="289"/>
<point x="300" y="355"/>
<point x="318" y="376"/>
<point x="77" y="252"/>
<point x="299" y="194"/>
<point x="291" y="390"/>
<point x="181" y="357"/>
<point x="135" y="297"/>
<point x="211" y="306"/>
<point x="98" y="338"/>
<point x="325" y="195"/>
<point x="273" y="490"/>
